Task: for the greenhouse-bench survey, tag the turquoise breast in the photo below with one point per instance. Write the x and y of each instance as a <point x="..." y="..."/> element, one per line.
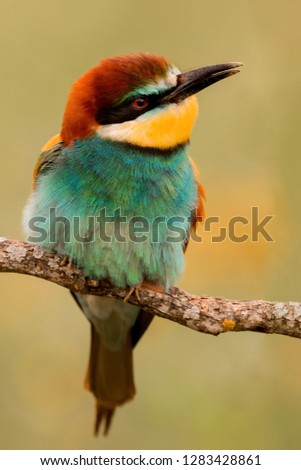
<point x="120" y="212"/>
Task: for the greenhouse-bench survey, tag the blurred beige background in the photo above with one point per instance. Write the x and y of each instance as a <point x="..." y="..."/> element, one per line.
<point x="194" y="391"/>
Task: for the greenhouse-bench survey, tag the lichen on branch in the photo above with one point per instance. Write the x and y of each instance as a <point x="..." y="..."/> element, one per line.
<point x="212" y="315"/>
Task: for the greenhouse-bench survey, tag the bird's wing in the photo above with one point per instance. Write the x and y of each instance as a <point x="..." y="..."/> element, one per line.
<point x="198" y="213"/>
<point x="199" y="209"/>
<point x="50" y="154"/>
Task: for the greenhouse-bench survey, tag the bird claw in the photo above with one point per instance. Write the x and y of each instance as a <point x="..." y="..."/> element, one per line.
<point x="137" y="294"/>
<point x="132" y="289"/>
<point x="66" y="261"/>
<point x="93" y="282"/>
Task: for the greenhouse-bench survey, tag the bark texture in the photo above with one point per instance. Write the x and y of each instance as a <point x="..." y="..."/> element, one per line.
<point x="212" y="315"/>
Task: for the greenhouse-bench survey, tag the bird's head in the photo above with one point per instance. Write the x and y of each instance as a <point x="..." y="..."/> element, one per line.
<point x="141" y="99"/>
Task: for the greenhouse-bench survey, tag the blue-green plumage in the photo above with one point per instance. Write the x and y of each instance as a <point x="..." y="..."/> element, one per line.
<point x="95" y="178"/>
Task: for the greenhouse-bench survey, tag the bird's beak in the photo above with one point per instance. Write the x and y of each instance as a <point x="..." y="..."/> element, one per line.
<point x="195" y="80"/>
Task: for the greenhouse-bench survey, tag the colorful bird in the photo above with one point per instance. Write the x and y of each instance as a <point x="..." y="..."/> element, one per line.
<point x="117" y="193"/>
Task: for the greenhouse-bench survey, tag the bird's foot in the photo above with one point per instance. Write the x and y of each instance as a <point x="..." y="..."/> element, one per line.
<point x="93" y="282"/>
<point x="66" y="261"/>
<point x="132" y="289"/>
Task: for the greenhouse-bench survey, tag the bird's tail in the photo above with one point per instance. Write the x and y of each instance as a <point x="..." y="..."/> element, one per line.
<point x="110" y="374"/>
<point x="110" y="371"/>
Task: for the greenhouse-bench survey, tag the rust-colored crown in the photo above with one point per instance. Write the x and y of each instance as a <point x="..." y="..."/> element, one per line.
<point x="105" y="85"/>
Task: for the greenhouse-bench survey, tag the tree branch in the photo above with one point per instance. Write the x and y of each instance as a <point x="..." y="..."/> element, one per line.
<point x="205" y="314"/>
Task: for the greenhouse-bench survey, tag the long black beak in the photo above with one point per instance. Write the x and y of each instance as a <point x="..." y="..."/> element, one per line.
<point x="195" y="80"/>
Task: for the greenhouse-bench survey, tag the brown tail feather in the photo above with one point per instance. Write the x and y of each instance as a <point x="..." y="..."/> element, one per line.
<point x="115" y="328"/>
<point x="105" y="414"/>
<point x="109" y="378"/>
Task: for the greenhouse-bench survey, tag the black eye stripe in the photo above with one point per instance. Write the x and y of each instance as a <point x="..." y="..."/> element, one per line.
<point x="126" y="111"/>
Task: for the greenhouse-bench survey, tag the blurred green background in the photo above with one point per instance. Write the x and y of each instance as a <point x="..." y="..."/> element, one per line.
<point x="194" y="391"/>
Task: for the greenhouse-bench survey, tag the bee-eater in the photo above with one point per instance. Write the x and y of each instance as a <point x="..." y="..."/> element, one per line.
<point x="118" y="195"/>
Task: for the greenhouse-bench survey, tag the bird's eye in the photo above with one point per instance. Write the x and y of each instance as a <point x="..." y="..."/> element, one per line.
<point x="140" y="102"/>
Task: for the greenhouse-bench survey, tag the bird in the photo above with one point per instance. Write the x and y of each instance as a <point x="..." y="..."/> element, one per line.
<point x="117" y="193"/>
